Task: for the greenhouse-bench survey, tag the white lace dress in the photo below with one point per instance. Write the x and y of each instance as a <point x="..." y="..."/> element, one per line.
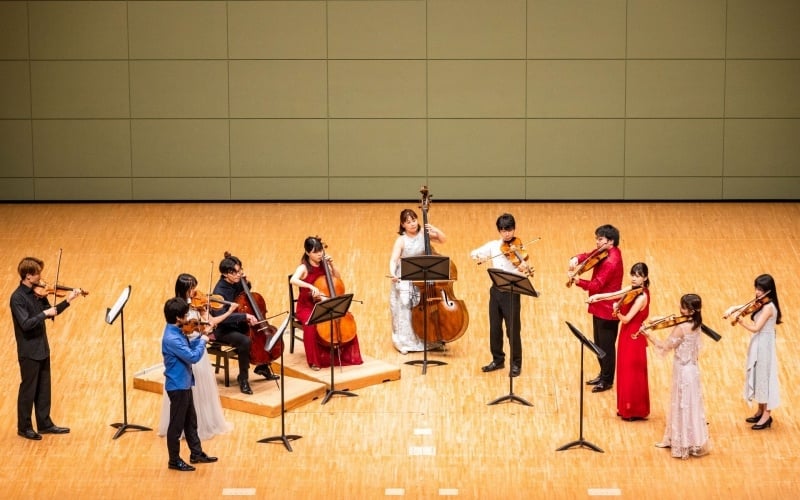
<point x="761" y="372"/>
<point x="687" y="429"/>
<point x="403" y="297"/>
<point x="210" y="418"/>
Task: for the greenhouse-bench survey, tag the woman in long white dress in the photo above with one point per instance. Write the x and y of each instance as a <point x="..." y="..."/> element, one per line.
<point x="404" y="296"/>
<point x="761" y="370"/>
<point x="210" y="418"/>
<point x="686" y="431"/>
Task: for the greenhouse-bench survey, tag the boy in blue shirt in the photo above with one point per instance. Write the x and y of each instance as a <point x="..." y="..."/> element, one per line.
<point x="179" y="354"/>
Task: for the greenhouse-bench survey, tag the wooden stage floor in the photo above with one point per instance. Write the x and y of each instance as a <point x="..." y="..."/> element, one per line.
<point x="417" y="436"/>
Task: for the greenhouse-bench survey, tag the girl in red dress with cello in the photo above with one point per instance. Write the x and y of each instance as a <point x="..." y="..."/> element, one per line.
<point x="311" y="278"/>
<point x="632" y="307"/>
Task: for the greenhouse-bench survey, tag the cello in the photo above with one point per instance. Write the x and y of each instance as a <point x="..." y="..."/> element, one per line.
<point x="262" y="332"/>
<point x="439" y="309"/>
<point x="342" y="330"/>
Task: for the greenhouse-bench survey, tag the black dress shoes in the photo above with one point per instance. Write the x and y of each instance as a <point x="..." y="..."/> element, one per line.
<point x="515" y="370"/>
<point x="493" y="366"/>
<point x="180" y="465"/>
<point x="266" y="372"/>
<point x="601" y="386"/>
<point x="594" y="381"/>
<point x="30" y="434"/>
<point x="754" y="419"/>
<point x="54" y="430"/>
<point x="244" y="386"/>
<point x="202" y="459"/>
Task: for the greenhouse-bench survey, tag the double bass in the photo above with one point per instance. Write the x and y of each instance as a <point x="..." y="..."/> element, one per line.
<point x="445" y="315"/>
<point x="342" y="330"/>
<point x="262" y="332"/>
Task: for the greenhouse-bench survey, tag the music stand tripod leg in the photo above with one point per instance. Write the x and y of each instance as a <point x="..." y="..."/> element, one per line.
<point x="505" y="281"/>
<point x="283" y="438"/>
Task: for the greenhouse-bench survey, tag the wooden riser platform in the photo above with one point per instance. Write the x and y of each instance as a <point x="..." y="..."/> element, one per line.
<point x="266" y="397"/>
<point x="345" y="378"/>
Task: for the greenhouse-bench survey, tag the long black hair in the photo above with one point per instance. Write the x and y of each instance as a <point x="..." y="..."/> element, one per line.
<point x="766" y="284"/>
<point x="311" y="244"/>
<point x="183" y="284"/>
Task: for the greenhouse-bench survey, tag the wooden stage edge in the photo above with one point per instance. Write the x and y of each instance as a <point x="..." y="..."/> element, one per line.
<point x="302" y="385"/>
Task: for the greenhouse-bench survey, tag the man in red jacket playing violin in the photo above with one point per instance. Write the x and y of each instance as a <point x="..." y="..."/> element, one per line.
<point x="607" y="274"/>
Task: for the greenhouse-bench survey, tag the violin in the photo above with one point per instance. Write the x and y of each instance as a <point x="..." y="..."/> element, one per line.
<point x="658" y="324"/>
<point x="190" y="326"/>
<point x="749" y="308"/>
<point x="588" y="263"/>
<point x="42" y="289"/>
<point x="627" y="298"/>
<point x="514" y="251"/>
<point x="201" y="300"/>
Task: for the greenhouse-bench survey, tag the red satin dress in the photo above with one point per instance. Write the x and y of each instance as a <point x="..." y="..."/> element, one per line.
<point x="633" y="392"/>
<point x="318" y="354"/>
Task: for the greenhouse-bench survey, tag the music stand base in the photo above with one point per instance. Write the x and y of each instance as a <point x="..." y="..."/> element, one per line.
<point x="122" y="427"/>
<point x="330" y="394"/>
<point x="425" y="363"/>
<point x="582" y="443"/>
<point x="510" y="397"/>
<point x="283" y="439"/>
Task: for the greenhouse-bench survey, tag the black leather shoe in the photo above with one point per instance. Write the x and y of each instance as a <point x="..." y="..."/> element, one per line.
<point x="30" y="434"/>
<point x="244" y="386"/>
<point x="515" y="371"/>
<point x="754" y="419"/>
<point x="493" y="366"/>
<point x="601" y="386"/>
<point x="266" y="372"/>
<point x="181" y="466"/>
<point x="54" y="430"/>
<point x="594" y="381"/>
<point x="202" y="459"/>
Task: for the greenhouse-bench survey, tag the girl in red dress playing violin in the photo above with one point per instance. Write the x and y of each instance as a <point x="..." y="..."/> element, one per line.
<point x="631" y="307"/>
<point x="309" y="272"/>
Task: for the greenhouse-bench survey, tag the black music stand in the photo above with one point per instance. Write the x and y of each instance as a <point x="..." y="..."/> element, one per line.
<point x="425" y="268"/>
<point x="600" y="354"/>
<point x="519" y="284"/>
<point x="329" y="310"/>
<point x="283" y="438"/>
<point x="111" y="315"/>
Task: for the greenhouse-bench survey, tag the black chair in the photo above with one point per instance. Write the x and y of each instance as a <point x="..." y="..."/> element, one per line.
<point x="295" y="324"/>
<point x="223" y="353"/>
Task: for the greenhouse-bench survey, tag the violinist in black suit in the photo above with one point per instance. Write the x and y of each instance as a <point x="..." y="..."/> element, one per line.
<point x="29" y="310"/>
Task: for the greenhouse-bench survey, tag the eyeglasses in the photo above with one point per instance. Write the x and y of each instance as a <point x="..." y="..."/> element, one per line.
<point x="236" y="272"/>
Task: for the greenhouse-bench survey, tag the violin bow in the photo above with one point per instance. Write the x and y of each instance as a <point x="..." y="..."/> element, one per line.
<point x="55" y="285"/>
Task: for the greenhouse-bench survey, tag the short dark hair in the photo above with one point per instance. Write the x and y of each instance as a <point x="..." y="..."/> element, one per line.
<point x="506" y="222"/>
<point x="229" y="263"/>
<point x="608" y="232"/>
<point x="174" y="309"/>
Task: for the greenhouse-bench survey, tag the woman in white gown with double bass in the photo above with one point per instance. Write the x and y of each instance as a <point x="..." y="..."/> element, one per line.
<point x="210" y="418"/>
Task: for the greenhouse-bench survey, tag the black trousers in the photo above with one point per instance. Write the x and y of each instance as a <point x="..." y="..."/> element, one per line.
<point x="182" y="420"/>
<point x="34" y="393"/>
<point x="504" y="307"/>
<point x="242" y="343"/>
<point x="605" y="336"/>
